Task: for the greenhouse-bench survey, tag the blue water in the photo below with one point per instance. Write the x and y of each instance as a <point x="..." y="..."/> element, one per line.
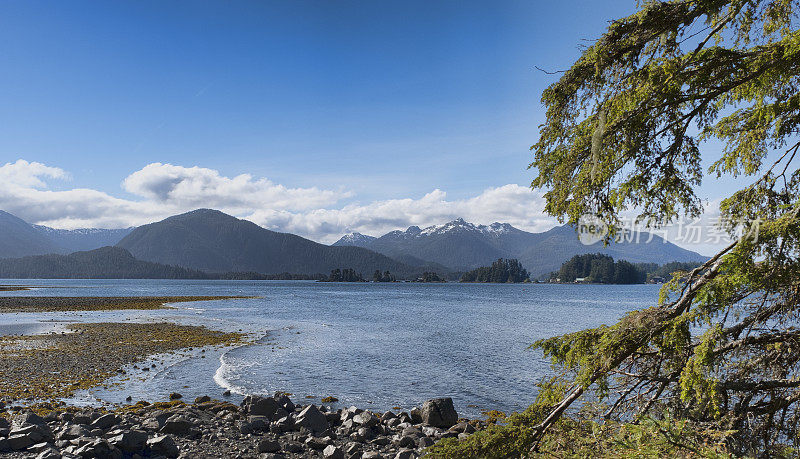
<point x="371" y="345"/>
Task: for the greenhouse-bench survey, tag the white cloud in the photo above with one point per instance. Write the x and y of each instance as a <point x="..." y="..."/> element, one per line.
<point x="165" y="190"/>
<point x="191" y="187"/>
<point x="25" y="174"/>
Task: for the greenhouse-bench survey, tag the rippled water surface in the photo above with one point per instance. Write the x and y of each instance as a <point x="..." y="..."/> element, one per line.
<point x="371" y="345"/>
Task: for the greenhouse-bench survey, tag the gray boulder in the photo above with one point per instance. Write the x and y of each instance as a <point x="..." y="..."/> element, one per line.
<point x="130" y="441"/>
<point x="312" y="419"/>
<point x="439" y="412"/>
<point x="105" y="421"/>
<point x="20" y="442"/>
<point x="177" y="425"/>
<point x="163" y="445"/>
<point x="268" y="446"/>
<point x="366" y="419"/>
<point x="332" y="452"/>
<point x="260" y="406"/>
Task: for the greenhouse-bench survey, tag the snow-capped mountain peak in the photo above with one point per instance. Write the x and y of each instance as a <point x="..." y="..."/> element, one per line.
<point x="355" y="238"/>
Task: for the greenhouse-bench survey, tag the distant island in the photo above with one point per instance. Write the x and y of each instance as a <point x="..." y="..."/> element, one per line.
<point x="597" y="268"/>
<point x="344" y="275"/>
<point x="502" y="271"/>
<point x="429" y="276"/>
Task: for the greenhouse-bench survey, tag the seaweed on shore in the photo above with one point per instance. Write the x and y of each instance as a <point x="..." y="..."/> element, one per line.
<point x="47" y="367"/>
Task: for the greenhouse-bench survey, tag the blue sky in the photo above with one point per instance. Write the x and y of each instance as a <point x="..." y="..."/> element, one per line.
<point x="367" y="106"/>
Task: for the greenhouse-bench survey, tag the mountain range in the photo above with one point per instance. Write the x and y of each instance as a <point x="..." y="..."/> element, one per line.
<point x="19" y="238"/>
<point x="210" y="242"/>
<point x="461" y="246"/>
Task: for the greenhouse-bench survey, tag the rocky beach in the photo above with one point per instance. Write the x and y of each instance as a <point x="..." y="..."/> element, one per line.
<point x="259" y="427"/>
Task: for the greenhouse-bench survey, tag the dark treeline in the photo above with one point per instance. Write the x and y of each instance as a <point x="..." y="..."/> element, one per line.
<point x="258" y="276"/>
<point x="429" y="276"/>
<point x="386" y="276"/>
<point x="664" y="272"/>
<point x="602" y="269"/>
<point x="103" y="263"/>
<point x="344" y="275"/>
<point x="502" y="271"/>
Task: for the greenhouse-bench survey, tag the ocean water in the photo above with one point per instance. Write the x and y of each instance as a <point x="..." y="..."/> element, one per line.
<point x="372" y="345"/>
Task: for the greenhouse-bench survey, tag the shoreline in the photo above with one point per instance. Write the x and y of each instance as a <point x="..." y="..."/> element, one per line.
<point x="9" y="304"/>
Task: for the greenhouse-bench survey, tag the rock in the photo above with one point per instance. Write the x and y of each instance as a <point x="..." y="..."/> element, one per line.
<point x="348" y="425"/>
<point x="4" y="446"/>
<point x="317" y="443"/>
<point x="439" y="412"/>
<point x="29" y="417"/>
<point x="366" y="419"/>
<point x="20" y="442"/>
<point x="131" y="441"/>
<point x="332" y="452"/>
<point x="4" y="423"/>
<point x="49" y="453"/>
<point x="260" y="406"/>
<point x="72" y="432"/>
<point x="279" y="413"/>
<point x="268" y="446"/>
<point x="163" y="445"/>
<point x="312" y="419"/>
<point x="387" y="415"/>
<point x="227" y="393"/>
<point x="415" y="415"/>
<point x="177" y="425"/>
<point x="424" y="442"/>
<point x="202" y="399"/>
<point x="381" y="441"/>
<point x="32" y="433"/>
<point x="104" y="422"/>
<point x="293" y="447"/>
<point x="81" y="419"/>
<point x="412" y="431"/>
<point x="366" y="432"/>
<point x="405" y="454"/>
<point x="392" y="423"/>
<point x="151" y="424"/>
<point x="371" y="455"/>
<point x="254" y="424"/>
<point x="175" y="396"/>
<point x="405" y="442"/>
<point x="284" y="401"/>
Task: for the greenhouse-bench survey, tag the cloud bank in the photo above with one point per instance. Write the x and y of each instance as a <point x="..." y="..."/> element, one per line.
<point x="165" y="189"/>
